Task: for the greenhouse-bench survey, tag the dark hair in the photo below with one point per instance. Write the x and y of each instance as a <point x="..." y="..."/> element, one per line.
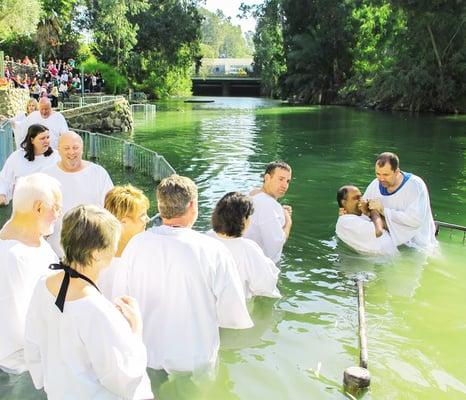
<point x="27" y="145"/>
<point x="342" y="193"/>
<point x="230" y="213"/>
<point x="391" y="158"/>
<point x="272" y="166"/>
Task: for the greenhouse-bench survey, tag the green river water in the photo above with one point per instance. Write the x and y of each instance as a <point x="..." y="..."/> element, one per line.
<point x="301" y="343"/>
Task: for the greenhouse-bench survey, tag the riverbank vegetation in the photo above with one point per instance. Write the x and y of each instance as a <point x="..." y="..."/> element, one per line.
<point x="386" y="54"/>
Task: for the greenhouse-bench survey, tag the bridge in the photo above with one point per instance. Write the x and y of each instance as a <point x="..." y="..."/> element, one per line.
<point x="226" y="85"/>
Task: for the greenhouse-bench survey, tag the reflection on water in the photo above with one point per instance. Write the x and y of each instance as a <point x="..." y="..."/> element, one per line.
<point x="302" y="343"/>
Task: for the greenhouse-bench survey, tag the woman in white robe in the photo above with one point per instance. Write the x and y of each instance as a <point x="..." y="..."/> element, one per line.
<point x="31" y="105"/>
<point x="34" y="155"/>
<point x="230" y="219"/>
<point x="78" y="344"/>
<point x="129" y="205"/>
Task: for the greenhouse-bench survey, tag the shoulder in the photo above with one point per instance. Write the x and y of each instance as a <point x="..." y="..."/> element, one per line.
<point x="417" y="181"/>
<point x="53" y="170"/>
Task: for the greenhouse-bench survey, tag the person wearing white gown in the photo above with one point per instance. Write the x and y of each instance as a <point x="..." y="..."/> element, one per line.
<point x="53" y="120"/>
<point x="31" y="106"/>
<point x="25" y="257"/>
<point x="403" y="200"/>
<point x="186" y="283"/>
<point x="78" y="344"/>
<point x="34" y="155"/>
<point x="360" y="228"/>
<point x="230" y="218"/>
<point x="82" y="182"/>
<point x="271" y="222"/>
<point x="129" y="205"/>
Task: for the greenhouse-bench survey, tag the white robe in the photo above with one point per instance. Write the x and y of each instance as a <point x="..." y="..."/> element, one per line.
<point x="88" y="186"/>
<point x="407" y="213"/>
<point x="21" y="267"/>
<point x="257" y="272"/>
<point x="112" y="280"/>
<point x="86" y="352"/>
<point x="187" y="286"/>
<point x="358" y="232"/>
<point x="16" y="124"/>
<point x="266" y="227"/>
<point x="55" y="122"/>
<point x="16" y="166"/>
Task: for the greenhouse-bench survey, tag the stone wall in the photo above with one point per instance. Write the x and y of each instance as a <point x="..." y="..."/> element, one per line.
<point x="13" y="101"/>
<point x="106" y="117"/>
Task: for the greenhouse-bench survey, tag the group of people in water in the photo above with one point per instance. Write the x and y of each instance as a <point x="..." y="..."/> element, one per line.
<point x="90" y="299"/>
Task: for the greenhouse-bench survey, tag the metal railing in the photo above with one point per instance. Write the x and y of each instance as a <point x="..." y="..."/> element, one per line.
<point x="147" y="110"/>
<point x="7" y="143"/>
<point x="98" y="146"/>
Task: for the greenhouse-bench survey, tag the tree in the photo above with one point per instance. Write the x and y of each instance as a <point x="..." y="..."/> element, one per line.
<point x="18" y="17"/>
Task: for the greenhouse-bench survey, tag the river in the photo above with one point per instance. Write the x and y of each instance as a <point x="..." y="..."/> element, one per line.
<point x="302" y="343"/>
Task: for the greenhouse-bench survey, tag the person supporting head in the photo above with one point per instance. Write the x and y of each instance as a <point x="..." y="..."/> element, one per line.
<point x="403" y="200"/>
<point x="82" y="182"/>
<point x="53" y="120"/>
<point x="361" y="228"/>
<point x="34" y="155"/>
<point x="186" y="283"/>
<point x="271" y="222"/>
<point x="129" y="205"/>
<point x="25" y="257"/>
<point x="230" y="218"/>
<point x="77" y="342"/>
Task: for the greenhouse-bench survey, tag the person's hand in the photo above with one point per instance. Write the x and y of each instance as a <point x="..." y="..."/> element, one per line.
<point x="288" y="211"/>
<point x="363" y="206"/>
<point x="341" y="211"/>
<point x="3" y="200"/>
<point x="376" y="205"/>
<point x="254" y="191"/>
<point x="128" y="306"/>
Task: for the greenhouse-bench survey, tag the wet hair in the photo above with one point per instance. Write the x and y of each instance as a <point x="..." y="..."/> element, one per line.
<point x="272" y="166"/>
<point x="88" y="228"/>
<point x="342" y="194"/>
<point x="391" y="158"/>
<point x="124" y="201"/>
<point x="27" y="145"/>
<point x="230" y="214"/>
<point x="174" y="194"/>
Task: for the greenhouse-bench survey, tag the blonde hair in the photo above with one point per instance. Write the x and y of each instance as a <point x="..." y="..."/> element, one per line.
<point x="125" y="201"/>
<point x="87" y="228"/>
<point x="174" y="194"/>
<point x="32" y="188"/>
<point x="32" y="101"/>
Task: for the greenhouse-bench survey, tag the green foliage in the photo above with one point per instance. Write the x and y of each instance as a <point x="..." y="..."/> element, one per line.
<point x="18" y="18"/>
<point x="221" y="38"/>
<point x="115" y="82"/>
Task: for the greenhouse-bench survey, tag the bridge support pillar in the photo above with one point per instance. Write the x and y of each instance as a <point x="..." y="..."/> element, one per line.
<point x="226" y="88"/>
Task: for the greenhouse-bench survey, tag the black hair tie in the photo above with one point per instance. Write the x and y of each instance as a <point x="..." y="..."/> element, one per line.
<point x="69" y="273"/>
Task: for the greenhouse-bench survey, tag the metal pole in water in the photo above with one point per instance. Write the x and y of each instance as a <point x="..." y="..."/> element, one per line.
<point x="356" y="378"/>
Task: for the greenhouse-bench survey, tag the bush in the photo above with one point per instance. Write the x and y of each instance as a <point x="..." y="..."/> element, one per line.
<point x="115" y="82"/>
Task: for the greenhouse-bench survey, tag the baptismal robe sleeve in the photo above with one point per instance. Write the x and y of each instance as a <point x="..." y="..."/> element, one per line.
<point x="117" y="355"/>
<point x="231" y="304"/>
<point x="7" y="176"/>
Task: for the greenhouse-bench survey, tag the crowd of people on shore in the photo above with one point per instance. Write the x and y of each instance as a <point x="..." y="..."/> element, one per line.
<point x="57" y="79"/>
<point x="92" y="301"/>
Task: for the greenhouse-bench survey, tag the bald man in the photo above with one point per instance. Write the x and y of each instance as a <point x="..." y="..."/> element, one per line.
<point x="82" y="182"/>
<point x="53" y="120"/>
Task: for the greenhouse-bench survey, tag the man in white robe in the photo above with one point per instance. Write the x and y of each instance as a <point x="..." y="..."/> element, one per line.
<point x="271" y="222"/>
<point x="53" y="120"/>
<point x="186" y="284"/>
<point x="403" y="200"/>
<point x="82" y="182"/>
<point x="25" y="257"/>
<point x="360" y="228"/>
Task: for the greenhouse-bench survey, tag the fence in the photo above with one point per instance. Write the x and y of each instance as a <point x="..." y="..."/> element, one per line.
<point x="130" y="155"/>
<point x="149" y="110"/>
<point x="86" y="100"/>
<point x="7" y="144"/>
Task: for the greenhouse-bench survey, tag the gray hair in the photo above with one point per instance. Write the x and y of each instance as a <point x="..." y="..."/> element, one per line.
<point x="32" y="188"/>
<point x="174" y="194"/>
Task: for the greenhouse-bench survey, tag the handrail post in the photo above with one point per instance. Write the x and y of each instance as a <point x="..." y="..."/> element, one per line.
<point x="92" y="145"/>
<point x="128" y="155"/>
